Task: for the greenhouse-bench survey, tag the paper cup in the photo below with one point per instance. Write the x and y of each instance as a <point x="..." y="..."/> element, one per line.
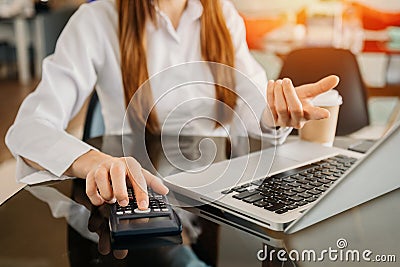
<point x="323" y="131"/>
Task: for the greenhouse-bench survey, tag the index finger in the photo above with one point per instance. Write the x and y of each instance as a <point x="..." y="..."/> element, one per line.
<point x="314" y="89"/>
<point x="138" y="183"/>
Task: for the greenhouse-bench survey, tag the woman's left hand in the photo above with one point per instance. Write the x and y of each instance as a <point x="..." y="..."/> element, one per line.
<point x="291" y="107"/>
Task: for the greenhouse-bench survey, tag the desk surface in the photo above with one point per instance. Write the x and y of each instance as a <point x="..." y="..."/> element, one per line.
<point x="55" y="225"/>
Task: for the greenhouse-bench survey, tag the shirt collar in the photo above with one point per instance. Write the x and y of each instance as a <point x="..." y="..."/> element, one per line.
<point x="193" y="10"/>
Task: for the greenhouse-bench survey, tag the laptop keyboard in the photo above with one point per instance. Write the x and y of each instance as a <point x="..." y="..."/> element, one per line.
<point x="291" y="189"/>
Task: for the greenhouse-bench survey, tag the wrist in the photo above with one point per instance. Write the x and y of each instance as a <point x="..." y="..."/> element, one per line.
<point x="86" y="162"/>
<point x="267" y="120"/>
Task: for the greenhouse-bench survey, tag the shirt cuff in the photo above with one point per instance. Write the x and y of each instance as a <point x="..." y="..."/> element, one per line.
<point x="73" y="147"/>
<point x="28" y="175"/>
<point x="275" y="135"/>
<point x="54" y="150"/>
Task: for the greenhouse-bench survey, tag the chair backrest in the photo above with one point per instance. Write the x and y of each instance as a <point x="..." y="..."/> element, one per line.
<point x="308" y="65"/>
<point x="94" y="123"/>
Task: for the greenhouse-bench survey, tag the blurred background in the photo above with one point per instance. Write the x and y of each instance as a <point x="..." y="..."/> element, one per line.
<point x="367" y="31"/>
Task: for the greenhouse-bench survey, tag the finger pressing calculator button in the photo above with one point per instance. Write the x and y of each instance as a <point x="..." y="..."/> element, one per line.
<point x="142" y="211"/>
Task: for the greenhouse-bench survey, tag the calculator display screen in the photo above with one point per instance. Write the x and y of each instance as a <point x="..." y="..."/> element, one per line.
<point x="147" y="220"/>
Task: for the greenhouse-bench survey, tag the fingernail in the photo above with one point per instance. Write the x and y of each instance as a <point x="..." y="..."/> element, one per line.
<point x="124" y="202"/>
<point x="143" y="204"/>
<point x="112" y="201"/>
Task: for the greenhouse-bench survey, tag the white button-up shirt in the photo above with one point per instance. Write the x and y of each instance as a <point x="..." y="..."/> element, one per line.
<point x="87" y="56"/>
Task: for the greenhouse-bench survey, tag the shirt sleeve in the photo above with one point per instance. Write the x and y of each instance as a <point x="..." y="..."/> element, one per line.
<point x="68" y="78"/>
<point x="251" y="84"/>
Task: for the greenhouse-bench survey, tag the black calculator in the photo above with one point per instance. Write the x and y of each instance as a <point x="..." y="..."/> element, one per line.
<point x="158" y="220"/>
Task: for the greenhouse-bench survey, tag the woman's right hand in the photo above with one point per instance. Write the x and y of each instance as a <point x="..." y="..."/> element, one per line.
<point x="107" y="178"/>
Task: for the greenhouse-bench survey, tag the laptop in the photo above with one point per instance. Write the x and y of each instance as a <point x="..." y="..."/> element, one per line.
<point x="295" y="185"/>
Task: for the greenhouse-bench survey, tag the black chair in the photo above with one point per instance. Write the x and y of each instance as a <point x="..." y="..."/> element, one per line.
<point x="94" y="123"/>
<point x="308" y="65"/>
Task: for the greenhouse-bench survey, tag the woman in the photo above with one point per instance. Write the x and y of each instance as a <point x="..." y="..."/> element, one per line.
<point x="115" y="47"/>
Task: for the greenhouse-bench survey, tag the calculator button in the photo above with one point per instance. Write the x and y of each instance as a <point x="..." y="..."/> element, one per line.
<point x="120" y="212"/>
<point x="164" y="209"/>
<point x="128" y="212"/>
<point x="157" y="209"/>
<point x="142" y="211"/>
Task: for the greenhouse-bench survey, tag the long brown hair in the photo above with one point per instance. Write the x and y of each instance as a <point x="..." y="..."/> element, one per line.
<point x="216" y="46"/>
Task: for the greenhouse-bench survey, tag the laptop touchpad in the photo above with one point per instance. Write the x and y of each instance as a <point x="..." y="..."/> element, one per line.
<point x="281" y="163"/>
